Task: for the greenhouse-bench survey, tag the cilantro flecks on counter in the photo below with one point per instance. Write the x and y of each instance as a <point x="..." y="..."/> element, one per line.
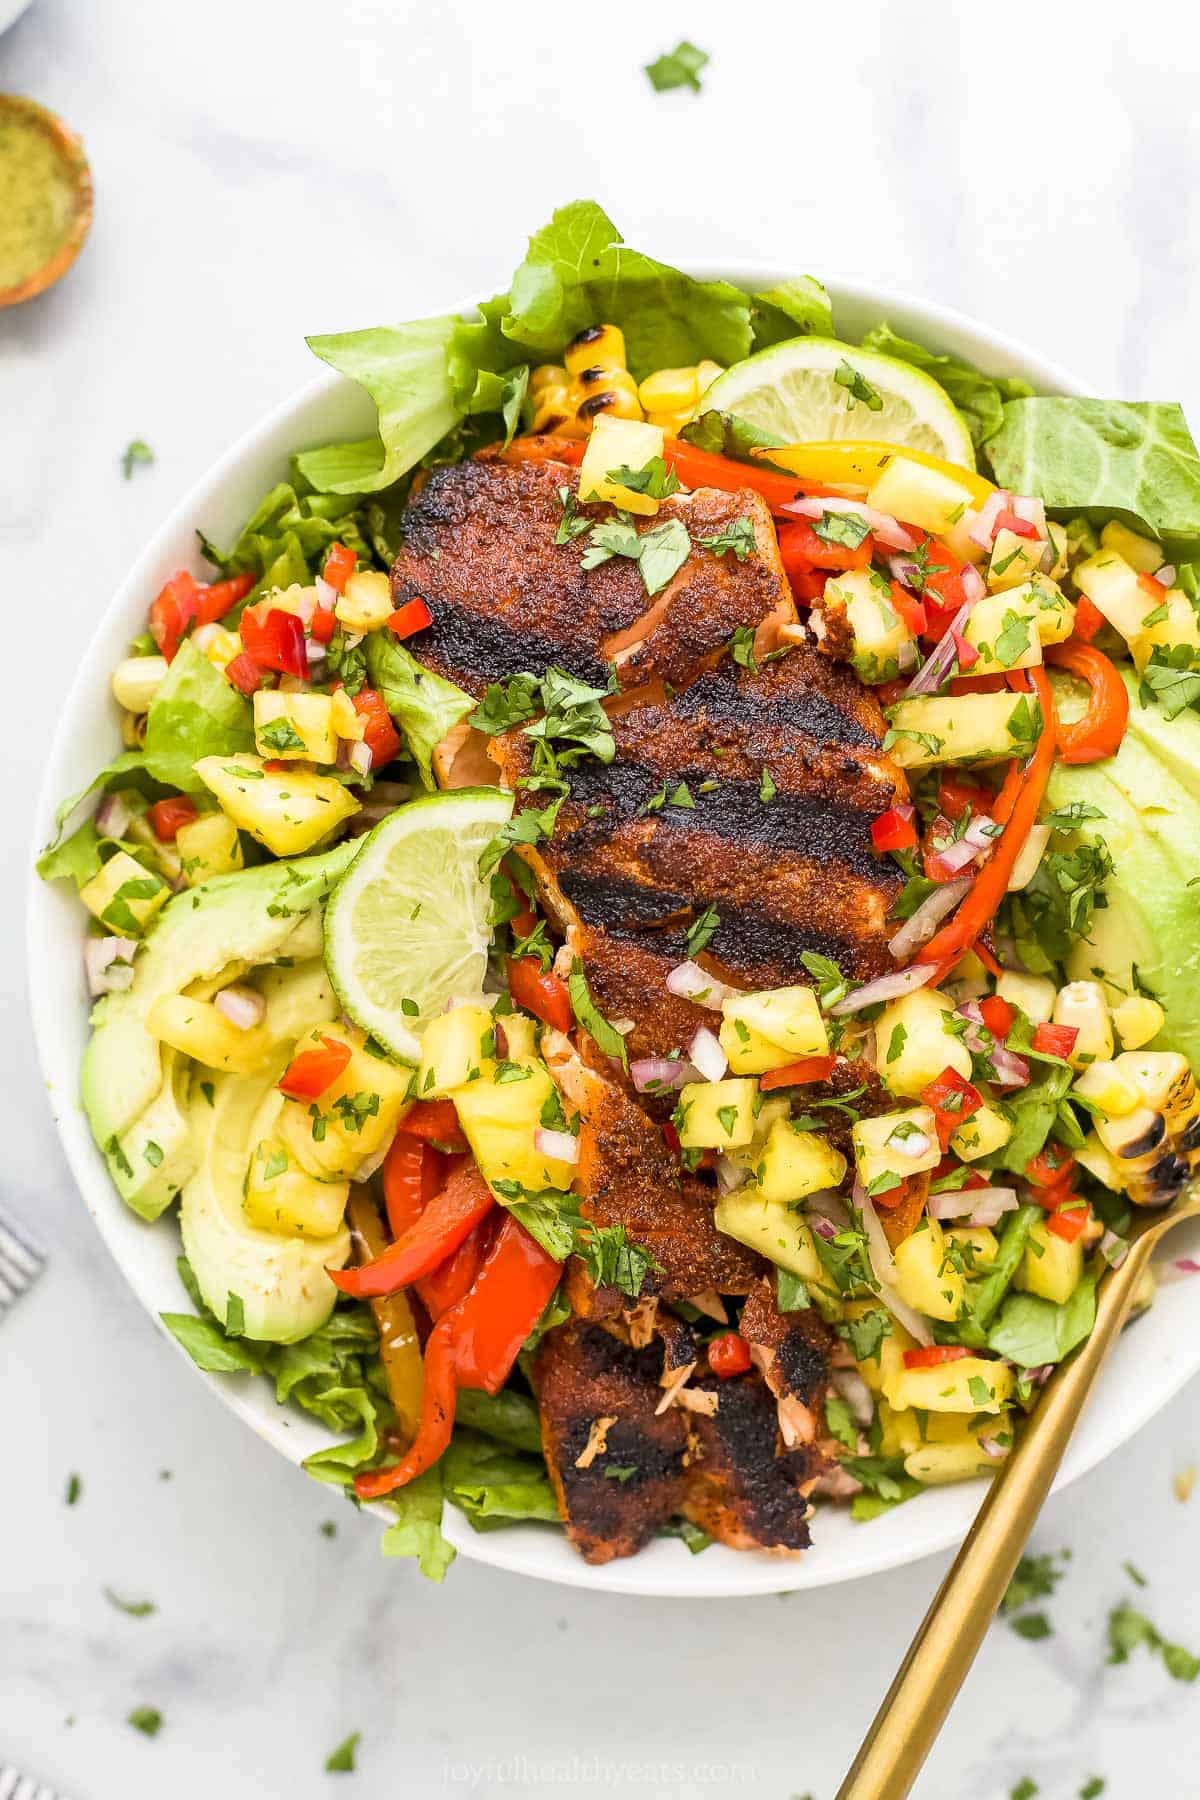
<point x="638" y="935"/>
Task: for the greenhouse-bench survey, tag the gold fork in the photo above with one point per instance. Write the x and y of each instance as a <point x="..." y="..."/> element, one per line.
<point x="914" y="1710"/>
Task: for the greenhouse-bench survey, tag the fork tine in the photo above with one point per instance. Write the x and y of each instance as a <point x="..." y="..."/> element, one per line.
<point x="21" y="1262"/>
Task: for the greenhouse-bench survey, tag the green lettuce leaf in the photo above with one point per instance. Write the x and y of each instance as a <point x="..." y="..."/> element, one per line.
<point x="297" y="528"/>
<point x="1031" y="1331"/>
<point x="76" y="858"/>
<point x="799" y="308"/>
<point x="1099" y="457"/>
<point x="208" y="1346"/>
<point x="511" y="1418"/>
<point x="493" y="1486"/>
<point x="979" y="398"/>
<point x="195" y="713"/>
<point x="1033" y="1110"/>
<point x="726" y="435"/>
<point x="418" y="1528"/>
<point x="424" y="705"/>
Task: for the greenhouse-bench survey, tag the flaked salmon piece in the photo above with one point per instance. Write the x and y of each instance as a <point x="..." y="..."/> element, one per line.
<point x="479" y="548"/>
<point x="739" y="1488"/>
<point x="792" y="1353"/>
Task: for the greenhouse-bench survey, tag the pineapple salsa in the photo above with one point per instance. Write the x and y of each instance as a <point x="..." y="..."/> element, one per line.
<point x="344" y="1030"/>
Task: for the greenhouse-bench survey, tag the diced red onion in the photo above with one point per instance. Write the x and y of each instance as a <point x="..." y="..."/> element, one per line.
<point x="940" y="660"/>
<point x="242" y="1006"/>
<point x="991" y="1204"/>
<point x="1032" y="510"/>
<point x="887" y="987"/>
<point x="825" y="1228"/>
<point x="314" y="652"/>
<point x="1040" y="1376"/>
<point x="1178" y="1270"/>
<point x="1166" y="575"/>
<point x="1114" y="1249"/>
<point x="952" y="1203"/>
<point x="917" y="931"/>
<point x="957" y="856"/>
<point x="829" y="1203"/>
<point x="991" y="1448"/>
<point x="688" y="981"/>
<point x="982" y="529"/>
<point x="889" y="531"/>
<point x="883" y="1267"/>
<point x="1011" y="1070"/>
<point x="661" y="1074"/>
<point x="326" y="595"/>
<point x="973" y="585"/>
<point x="560" y="1146"/>
<point x="360" y="758"/>
<point x="108" y="964"/>
<point x="855" y="1392"/>
<point x="112" y="817"/>
<point x="906" y="656"/>
<point x="730" y="1175"/>
<point x="982" y="832"/>
<point x="707" y="1055"/>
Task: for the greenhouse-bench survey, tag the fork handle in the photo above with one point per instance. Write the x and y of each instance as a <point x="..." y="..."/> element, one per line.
<point x="915" y="1707"/>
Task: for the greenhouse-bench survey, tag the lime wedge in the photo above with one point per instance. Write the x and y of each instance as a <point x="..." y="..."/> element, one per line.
<point x="792" y="391"/>
<point x="407" y="925"/>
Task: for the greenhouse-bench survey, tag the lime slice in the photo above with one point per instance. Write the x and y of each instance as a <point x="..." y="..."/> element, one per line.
<point x="407" y="925"/>
<point x="791" y="391"/>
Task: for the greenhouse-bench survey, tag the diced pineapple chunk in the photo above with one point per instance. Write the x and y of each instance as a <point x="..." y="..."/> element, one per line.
<point x="962" y="1456"/>
<point x="365" y="603"/>
<point x="347" y="723"/>
<point x="283" y="1198"/>
<point x="949" y="728"/>
<point x="288" y="810"/>
<point x="793" y="1163"/>
<point x="1005" y="635"/>
<point x="291" y="727"/>
<point x="124" y="895"/>
<point x="355" y="1116"/>
<point x="776" y="1231"/>
<point x="922" y="496"/>
<point x="769" y="1112"/>
<point x="1034" y="995"/>
<point x="219" y="645"/>
<point x="454" y="1045"/>
<point x="1104" y="1085"/>
<point x="986" y="1130"/>
<point x="1051" y="1266"/>
<point x="1177" y="628"/>
<point x="1082" y="1004"/>
<point x="788" y="1016"/>
<point x="899" y="1432"/>
<point x="748" y="1052"/>
<point x="501" y="1113"/>
<point x="619" y="444"/>
<point x="1113" y="586"/>
<point x="878" y="633"/>
<point x="898" y="1144"/>
<point x="1141" y="553"/>
<point x="1014" y="559"/>
<point x="1138" y="1020"/>
<point x="971" y="1384"/>
<point x="200" y="1030"/>
<point x="978" y="1244"/>
<point x="873" y="1369"/>
<point x="717" y="1115"/>
<point x="208" y="846"/>
<point x="926" y="1278"/>
<point x="914" y="1046"/>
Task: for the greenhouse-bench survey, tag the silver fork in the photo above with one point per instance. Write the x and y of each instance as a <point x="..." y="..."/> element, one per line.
<point x="21" y="1262"/>
<point x="15" y="1786"/>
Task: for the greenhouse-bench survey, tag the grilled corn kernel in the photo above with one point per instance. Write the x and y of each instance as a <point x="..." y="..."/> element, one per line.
<point x="137" y="680"/>
<point x="220" y="646"/>
<point x="617" y="396"/>
<point x="706" y="374"/>
<point x="670" y="422"/>
<point x="1108" y="1087"/>
<point x="547" y="375"/>
<point x="554" y="411"/>
<point x="1082" y="1004"/>
<point x="670" y="390"/>
<point x="596" y="345"/>
<point x="1034" y="994"/>
<point x="1137" y="1020"/>
<point x="133" y="730"/>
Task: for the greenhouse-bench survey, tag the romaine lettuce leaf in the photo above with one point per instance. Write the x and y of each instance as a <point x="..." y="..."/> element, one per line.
<point x="1099" y="457"/>
<point x="195" y="713"/>
<point x="494" y="1486"/>
<point x="979" y="398"/>
<point x="797" y="308"/>
<point x="300" y="527"/>
<point x="509" y="1417"/>
<point x="423" y="704"/>
<point x="418" y="1528"/>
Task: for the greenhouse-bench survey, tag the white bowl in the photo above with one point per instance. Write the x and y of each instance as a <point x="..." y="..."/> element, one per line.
<point x="1148" y="1367"/>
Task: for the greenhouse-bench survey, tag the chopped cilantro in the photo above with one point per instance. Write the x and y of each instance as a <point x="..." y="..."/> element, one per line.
<point x="677" y="68"/>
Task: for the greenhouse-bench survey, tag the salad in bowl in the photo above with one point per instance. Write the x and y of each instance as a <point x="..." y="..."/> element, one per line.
<point x="640" y="930"/>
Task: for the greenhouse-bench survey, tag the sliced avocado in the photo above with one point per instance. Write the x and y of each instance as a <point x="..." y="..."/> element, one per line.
<point x="1149" y="793"/>
<point x="153" y="1158"/>
<point x="280" y="1280"/>
<point x="254" y="916"/>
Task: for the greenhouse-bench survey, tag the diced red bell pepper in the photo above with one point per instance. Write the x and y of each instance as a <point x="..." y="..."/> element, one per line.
<point x="1070" y="1219"/>
<point x="1055" y="1040"/>
<point x="1053" y="1167"/>
<point x="800" y="546"/>
<point x="323" y="625"/>
<point x="173" y="610"/>
<point x="941" y="588"/>
<point x="274" y="638"/>
<point x="808" y="1068"/>
<point x="220" y="597"/>
<point x="953" y="1101"/>
<point x="956" y="795"/>
<point x="245" y="673"/>
<point x="808" y="585"/>
<point x="441" y="1228"/>
<point x="895" y="829"/>
<point x="910" y="609"/>
<point x="671" y="1138"/>
<point x="314" y="1069"/>
<point x="931" y="1356"/>
<point x="949" y="1166"/>
<point x="998" y="1016"/>
<point x="1011" y="521"/>
<point x="435" y="1122"/>
<point x="167" y="816"/>
<point x="965" y="654"/>
<point x="339" y="566"/>
<point x="728" y="1355"/>
<point x="1089" y="620"/>
<point x="413" y="616"/>
<point x="541" y="994"/>
<point x="381" y="737"/>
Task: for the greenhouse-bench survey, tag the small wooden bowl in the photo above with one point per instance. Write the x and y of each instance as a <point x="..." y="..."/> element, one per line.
<point x="16" y="110"/>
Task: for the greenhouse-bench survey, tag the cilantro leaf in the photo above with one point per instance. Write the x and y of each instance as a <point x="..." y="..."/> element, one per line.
<point x="677" y="68"/>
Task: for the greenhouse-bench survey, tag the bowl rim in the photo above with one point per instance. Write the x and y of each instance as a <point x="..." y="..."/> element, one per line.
<point x="919" y="1529"/>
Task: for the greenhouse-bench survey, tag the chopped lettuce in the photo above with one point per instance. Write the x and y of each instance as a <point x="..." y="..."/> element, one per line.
<point x="798" y="308"/>
<point x="424" y="705"/>
<point x="289" y="532"/>
<point x="417" y="1531"/>
<point x="494" y="1486"/>
<point x="979" y="398"/>
<point x="195" y="713"/>
<point x="1135" y="459"/>
<point x="1031" y="1331"/>
<point x="1033" y="1110"/>
<point x="511" y="1418"/>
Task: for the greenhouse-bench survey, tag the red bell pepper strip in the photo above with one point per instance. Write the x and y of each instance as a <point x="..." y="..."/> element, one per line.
<point x="220" y="597"/>
<point x="991" y="884"/>
<point x="1089" y="620"/>
<point x="802" y="548"/>
<point x="244" y="673"/>
<point x="1099" y="732"/>
<point x="541" y="994"/>
<point x="986" y="957"/>
<point x="414" y="615"/>
<point x="441" y="1228"/>
<point x="445" y="1286"/>
<point x="695" y="468"/>
<point x="953" y="1101"/>
<point x="167" y="816"/>
<point x="435" y="1122"/>
<point x="439" y="1396"/>
<point x="931" y="1356"/>
<point x="274" y="638"/>
<point x="808" y="1068"/>
<point x="339" y="566"/>
<point x="728" y="1355"/>
<point x="405" y="1182"/>
<point x="895" y="829"/>
<point x="998" y="1016"/>
<point x="381" y="737"/>
<point x="173" y="610"/>
<point x="314" y="1069"/>
<point x="1055" y="1040"/>
<point x="1070" y="1219"/>
<point x="504" y="1304"/>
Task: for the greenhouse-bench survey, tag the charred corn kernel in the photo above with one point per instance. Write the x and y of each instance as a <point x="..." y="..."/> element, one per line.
<point x="365" y="602"/>
<point x="670" y="390"/>
<point x="1104" y="1085"/>
<point x="1137" y="1020"/>
<point x="1033" y="994"/>
<point x="670" y="422"/>
<point x="606" y="391"/>
<point x="220" y="646"/>
<point x="133" y="730"/>
<point x="706" y="374"/>
<point x="346" y="722"/>
<point x="596" y="345"/>
<point x="137" y="680"/>
<point x="554" y="411"/>
<point x="1164" y="1081"/>
<point x="1101" y="1163"/>
<point x="547" y="376"/>
<point x="1082" y="1004"/>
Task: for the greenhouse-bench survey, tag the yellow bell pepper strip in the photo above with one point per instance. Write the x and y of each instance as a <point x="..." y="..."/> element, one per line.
<point x="399" y="1345"/>
<point x="858" y="462"/>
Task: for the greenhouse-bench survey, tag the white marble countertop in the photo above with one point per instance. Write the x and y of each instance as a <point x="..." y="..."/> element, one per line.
<point x="263" y="171"/>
